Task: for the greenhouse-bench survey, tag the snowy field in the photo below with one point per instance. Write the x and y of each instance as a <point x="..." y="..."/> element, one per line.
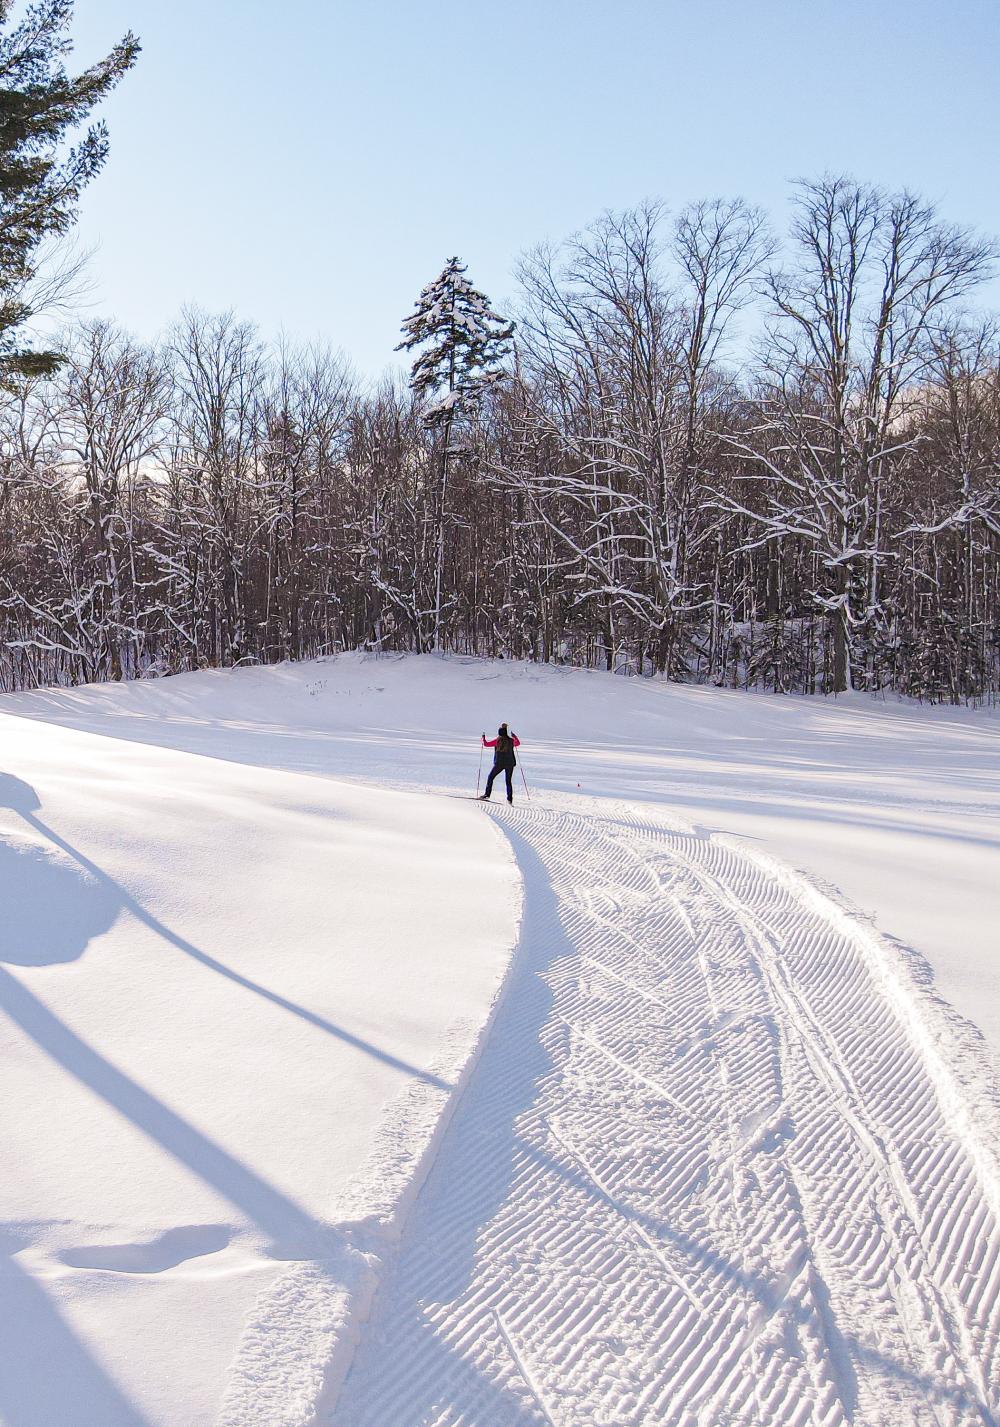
<point x="723" y="1152"/>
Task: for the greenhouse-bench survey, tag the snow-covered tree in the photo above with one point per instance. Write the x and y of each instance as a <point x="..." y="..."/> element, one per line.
<point x="620" y="345"/>
<point x="873" y="276"/>
<point x="465" y="343"/>
<point x="629" y="498"/>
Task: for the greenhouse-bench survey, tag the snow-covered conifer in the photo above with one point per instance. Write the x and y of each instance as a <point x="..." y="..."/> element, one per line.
<point x="40" y="186"/>
<point x="465" y="344"/>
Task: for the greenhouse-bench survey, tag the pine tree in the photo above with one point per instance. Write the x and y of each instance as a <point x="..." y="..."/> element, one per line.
<point x="40" y="181"/>
<point x="465" y="343"/>
<point x="468" y="341"/>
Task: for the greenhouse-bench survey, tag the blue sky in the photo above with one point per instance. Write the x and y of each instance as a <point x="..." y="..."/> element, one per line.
<point x="312" y="164"/>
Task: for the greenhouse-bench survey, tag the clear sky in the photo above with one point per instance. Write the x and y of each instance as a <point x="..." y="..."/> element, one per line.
<point x="312" y="163"/>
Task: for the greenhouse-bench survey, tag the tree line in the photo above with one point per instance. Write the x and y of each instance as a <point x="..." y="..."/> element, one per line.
<point x="606" y="484"/>
<point x="688" y="449"/>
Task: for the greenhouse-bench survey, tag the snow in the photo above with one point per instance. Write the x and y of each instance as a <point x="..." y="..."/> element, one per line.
<point x="710" y="1169"/>
<point x="253" y="953"/>
<point x="216" y="980"/>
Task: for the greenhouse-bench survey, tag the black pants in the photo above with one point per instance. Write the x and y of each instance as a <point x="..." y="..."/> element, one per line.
<point x="508" y="771"/>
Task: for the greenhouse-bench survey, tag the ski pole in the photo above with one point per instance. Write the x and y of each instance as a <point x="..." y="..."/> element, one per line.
<point x="524" y="780"/>
<point x="480" y="773"/>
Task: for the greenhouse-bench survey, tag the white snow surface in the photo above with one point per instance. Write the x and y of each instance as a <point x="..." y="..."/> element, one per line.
<point x="216" y="981"/>
<point x="280" y="1153"/>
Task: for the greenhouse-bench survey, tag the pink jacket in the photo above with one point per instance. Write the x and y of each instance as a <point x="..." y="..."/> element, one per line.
<point x="492" y="742"/>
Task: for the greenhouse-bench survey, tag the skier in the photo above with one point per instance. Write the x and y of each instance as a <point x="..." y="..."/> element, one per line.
<point x="503" y="760"/>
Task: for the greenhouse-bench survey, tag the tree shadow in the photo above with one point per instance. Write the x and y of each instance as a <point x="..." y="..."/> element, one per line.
<point x="293" y="1233"/>
<point x="104" y="897"/>
<point x="51" y="908"/>
<point x="47" y="1377"/>
<point x="287" y="1224"/>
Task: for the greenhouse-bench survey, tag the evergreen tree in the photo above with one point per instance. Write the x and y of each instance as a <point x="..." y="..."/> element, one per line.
<point x="465" y="341"/>
<point x="41" y="181"/>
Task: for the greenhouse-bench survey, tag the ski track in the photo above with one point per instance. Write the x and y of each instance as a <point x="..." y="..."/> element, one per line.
<point x="703" y="1176"/>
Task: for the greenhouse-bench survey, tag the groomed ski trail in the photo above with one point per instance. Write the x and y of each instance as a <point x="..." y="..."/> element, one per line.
<point x="712" y="1170"/>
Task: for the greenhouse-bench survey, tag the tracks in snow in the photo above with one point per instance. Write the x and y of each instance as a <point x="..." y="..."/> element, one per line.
<point x="705" y="1175"/>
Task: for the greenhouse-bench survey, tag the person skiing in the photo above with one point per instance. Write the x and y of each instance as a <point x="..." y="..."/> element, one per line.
<point x="503" y="760"/>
